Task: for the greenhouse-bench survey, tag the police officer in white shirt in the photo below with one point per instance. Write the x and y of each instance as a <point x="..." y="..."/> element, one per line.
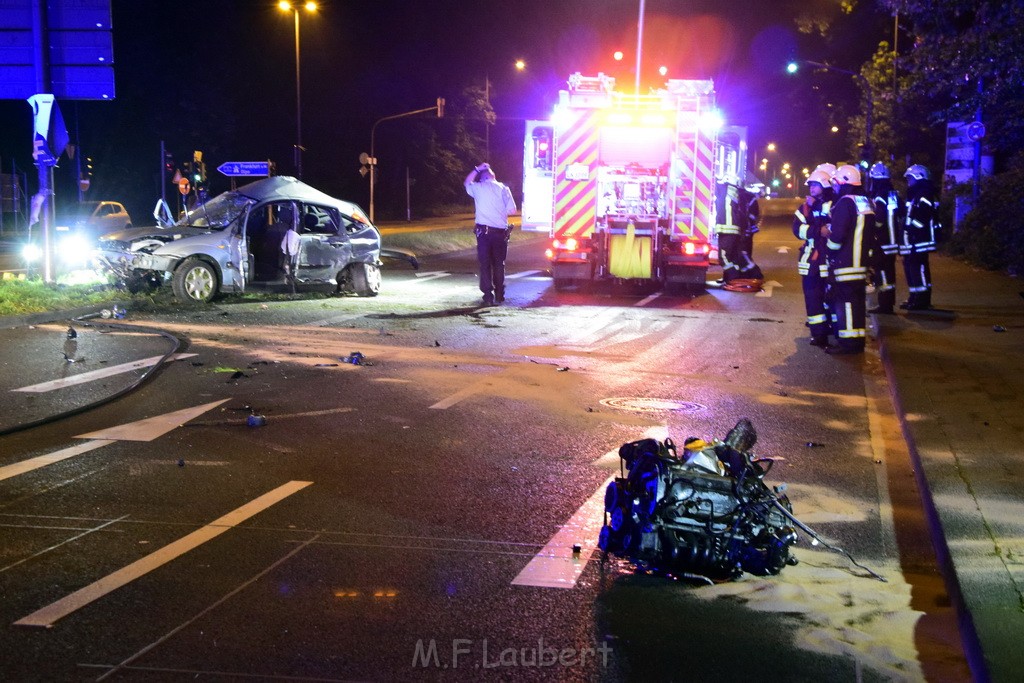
<point x="494" y="204"/>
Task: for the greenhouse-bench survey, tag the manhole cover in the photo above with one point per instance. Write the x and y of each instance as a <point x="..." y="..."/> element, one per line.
<point x="652" y="405"/>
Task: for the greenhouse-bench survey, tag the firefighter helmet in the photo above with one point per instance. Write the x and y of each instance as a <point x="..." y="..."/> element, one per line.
<point x="847" y="175"/>
<point x="917" y="172"/>
<point x="819" y="176"/>
<point x="878" y="170"/>
<point x="827" y="168"/>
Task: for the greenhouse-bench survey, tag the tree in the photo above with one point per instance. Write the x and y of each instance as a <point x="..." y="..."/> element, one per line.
<point x="967" y="56"/>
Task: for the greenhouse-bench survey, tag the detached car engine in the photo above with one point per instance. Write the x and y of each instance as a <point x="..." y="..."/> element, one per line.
<point x="704" y="512"/>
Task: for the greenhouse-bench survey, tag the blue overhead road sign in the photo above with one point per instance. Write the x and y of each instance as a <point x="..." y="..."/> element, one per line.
<point x="242" y="168"/>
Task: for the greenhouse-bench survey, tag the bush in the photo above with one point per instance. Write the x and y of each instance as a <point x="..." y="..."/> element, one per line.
<point x="992" y="234"/>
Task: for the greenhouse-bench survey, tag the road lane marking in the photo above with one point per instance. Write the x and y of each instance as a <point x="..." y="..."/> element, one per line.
<point x="143" y="430"/>
<point x="102" y="373"/>
<point x="65" y="541"/>
<point x="47" y="616"/>
<point x="24" y="466"/>
<point x="556" y="565"/>
<point x="430" y="275"/>
<point x="153" y="427"/>
<point x="238" y="589"/>
<point x="648" y="299"/>
<point x="456" y="397"/>
<point x="525" y="273"/>
<point x="766" y="288"/>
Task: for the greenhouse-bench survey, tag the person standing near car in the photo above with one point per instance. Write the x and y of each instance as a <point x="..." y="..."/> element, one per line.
<point x="847" y="242"/>
<point x="919" y="234"/>
<point x="494" y="204"/>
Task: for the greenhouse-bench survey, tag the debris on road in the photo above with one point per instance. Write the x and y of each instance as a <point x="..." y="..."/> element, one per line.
<point x="256" y="421"/>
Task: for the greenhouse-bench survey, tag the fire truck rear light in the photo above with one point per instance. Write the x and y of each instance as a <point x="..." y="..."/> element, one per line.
<point x="706" y="248"/>
<point x="689" y="249"/>
<point x="571" y="244"/>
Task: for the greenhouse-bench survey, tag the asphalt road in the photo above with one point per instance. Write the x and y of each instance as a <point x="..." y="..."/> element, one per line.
<point x="374" y="527"/>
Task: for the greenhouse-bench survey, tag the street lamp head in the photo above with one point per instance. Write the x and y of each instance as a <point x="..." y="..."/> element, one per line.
<point x="792" y="67"/>
<point x="520" y="64"/>
<point x="618" y="55"/>
<point x="284" y="6"/>
<point x="310" y="6"/>
<point x="771" y="146"/>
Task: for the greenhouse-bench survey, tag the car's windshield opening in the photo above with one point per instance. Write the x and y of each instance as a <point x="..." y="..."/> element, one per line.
<point x="218" y="213"/>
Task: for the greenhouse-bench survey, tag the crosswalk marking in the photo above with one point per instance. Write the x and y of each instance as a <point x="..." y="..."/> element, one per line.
<point x="49" y="615"/>
<point x="94" y="375"/>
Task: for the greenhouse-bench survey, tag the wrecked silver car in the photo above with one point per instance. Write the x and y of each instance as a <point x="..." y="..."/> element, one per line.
<point x="239" y="237"/>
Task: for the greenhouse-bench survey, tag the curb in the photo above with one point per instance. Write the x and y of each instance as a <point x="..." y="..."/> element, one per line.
<point x="973" y="650"/>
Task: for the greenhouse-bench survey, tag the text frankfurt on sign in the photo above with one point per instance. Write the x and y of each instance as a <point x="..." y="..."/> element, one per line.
<point x="240" y="168"/>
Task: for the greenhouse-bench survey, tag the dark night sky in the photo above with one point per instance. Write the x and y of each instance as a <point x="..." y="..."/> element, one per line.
<point x="218" y="75"/>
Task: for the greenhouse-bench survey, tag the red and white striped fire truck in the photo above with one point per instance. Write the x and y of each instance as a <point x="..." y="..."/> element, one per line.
<point x="625" y="183"/>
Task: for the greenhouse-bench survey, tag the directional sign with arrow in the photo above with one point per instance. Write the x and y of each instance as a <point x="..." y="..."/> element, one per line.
<point x="245" y="168"/>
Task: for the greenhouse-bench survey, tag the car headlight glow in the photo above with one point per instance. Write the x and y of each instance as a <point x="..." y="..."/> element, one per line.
<point x="31" y="253"/>
<point x="74" y="249"/>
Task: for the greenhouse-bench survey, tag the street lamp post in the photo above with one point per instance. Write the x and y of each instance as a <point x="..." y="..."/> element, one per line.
<point x="287" y="6"/>
<point x="792" y="68"/>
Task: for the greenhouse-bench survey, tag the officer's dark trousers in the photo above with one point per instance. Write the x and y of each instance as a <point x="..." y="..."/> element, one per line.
<point x="491" y="250"/>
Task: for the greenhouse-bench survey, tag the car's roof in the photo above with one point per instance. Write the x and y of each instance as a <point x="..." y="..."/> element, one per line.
<point x="281" y="187"/>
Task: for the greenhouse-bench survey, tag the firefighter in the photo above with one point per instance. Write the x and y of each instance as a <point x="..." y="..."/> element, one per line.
<point x="750" y="219"/>
<point x="494" y="204"/>
<point x="920" y="230"/>
<point x="728" y="230"/>
<point x="808" y="221"/>
<point x="885" y="244"/>
<point x="739" y="272"/>
<point x="846" y="241"/>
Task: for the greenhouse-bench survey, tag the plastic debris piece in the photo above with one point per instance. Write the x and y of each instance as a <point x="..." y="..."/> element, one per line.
<point x="326" y="365"/>
<point x="256" y="420"/>
<point x="181" y="462"/>
<point x="998" y="328"/>
<point x="106" y="313"/>
<point x="355" y="358"/>
<point x="563" y="369"/>
<point x="238" y="374"/>
<point x="814" y="444"/>
<point x="576" y="548"/>
<point x="197" y="363"/>
<point x="72" y="333"/>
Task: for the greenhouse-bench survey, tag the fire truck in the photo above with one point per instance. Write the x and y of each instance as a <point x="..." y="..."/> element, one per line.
<point x="625" y="183"/>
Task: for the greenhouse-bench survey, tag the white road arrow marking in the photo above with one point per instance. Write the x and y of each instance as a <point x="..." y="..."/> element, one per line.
<point x="783" y="250"/>
<point x="94" y="375"/>
<point x="144" y="430"/>
<point x="766" y="288"/>
<point x="153" y="427"/>
<point x="49" y="615"/>
<point x="525" y="273"/>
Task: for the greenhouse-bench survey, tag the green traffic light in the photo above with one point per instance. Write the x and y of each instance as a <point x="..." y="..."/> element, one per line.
<point x="775" y="182"/>
<point x="792" y="67"/>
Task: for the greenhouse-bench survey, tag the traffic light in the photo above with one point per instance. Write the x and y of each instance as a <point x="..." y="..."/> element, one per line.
<point x="188" y="171"/>
<point x="198" y="174"/>
<point x="169" y="162"/>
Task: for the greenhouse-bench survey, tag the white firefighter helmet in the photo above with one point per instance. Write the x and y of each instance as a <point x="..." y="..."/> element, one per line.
<point x="878" y="170"/>
<point x="819" y="176"/>
<point x="847" y="174"/>
<point x="917" y="172"/>
<point x="827" y="168"/>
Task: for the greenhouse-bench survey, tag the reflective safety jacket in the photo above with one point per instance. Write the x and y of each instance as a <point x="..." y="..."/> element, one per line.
<point x="851" y="216"/>
<point x="807" y="222"/>
<point x="922" y="223"/>
<point x="727" y="209"/>
<point x="888" y="219"/>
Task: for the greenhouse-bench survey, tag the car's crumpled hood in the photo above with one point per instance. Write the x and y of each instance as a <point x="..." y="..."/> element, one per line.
<point x="155" y="232"/>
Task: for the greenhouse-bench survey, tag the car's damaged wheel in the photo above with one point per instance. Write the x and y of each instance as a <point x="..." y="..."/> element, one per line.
<point x="196" y="280"/>
<point x="363" y="279"/>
